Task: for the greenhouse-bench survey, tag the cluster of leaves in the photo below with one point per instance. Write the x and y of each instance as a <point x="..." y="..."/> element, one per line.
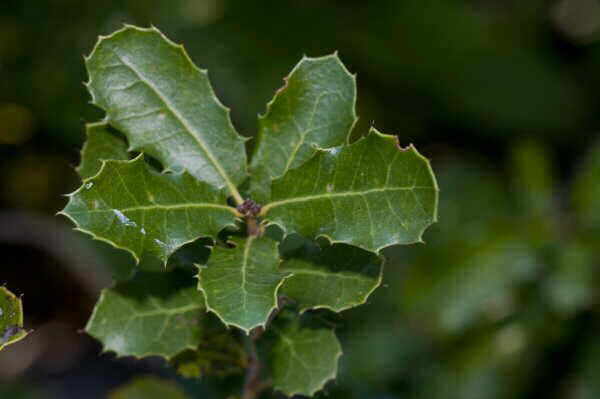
<point x="304" y="220"/>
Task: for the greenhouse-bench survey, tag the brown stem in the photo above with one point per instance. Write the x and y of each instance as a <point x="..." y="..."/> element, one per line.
<point x="253" y="227"/>
<point x="253" y="386"/>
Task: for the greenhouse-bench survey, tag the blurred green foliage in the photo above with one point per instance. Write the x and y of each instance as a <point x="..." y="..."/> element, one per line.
<point x="500" y="94"/>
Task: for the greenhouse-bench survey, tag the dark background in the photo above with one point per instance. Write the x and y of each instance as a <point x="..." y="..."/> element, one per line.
<point x="501" y="95"/>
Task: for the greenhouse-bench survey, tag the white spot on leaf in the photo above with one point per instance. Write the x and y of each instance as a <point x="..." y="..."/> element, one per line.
<point x="124" y="219"/>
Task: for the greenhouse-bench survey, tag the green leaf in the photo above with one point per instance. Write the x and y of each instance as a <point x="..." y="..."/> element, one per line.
<point x="371" y="194"/>
<point x="100" y="145"/>
<point x="154" y="94"/>
<point x="303" y="358"/>
<point x="149" y="388"/>
<point x="147" y="213"/>
<point x="240" y="284"/>
<point x="314" y="108"/>
<point x="11" y="318"/>
<point x="336" y="277"/>
<point x="155" y="314"/>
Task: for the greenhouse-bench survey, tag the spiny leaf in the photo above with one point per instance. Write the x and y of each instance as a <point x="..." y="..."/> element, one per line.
<point x="100" y="145"/>
<point x="154" y="314"/>
<point x="336" y="277"/>
<point x="147" y="213"/>
<point x="149" y="388"/>
<point x="303" y="358"/>
<point x="240" y="284"/>
<point x="154" y="94"/>
<point x="371" y="194"/>
<point x="11" y="318"/>
<point x="314" y="108"/>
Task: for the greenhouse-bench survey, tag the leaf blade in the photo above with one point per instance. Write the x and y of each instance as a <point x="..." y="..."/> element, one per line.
<point x="372" y="180"/>
<point x="147" y="213"/>
<point x="240" y="284"/>
<point x="150" y="88"/>
<point x="304" y="359"/>
<point x="336" y="277"/>
<point x="100" y="145"/>
<point x="11" y="318"/>
<point x="316" y="107"/>
<point x="162" y="317"/>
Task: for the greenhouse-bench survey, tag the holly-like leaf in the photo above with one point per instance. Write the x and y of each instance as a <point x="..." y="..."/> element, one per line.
<point x="100" y="145"/>
<point x="11" y="318"/>
<point x="155" y="314"/>
<point x="154" y="94"/>
<point x="144" y="212"/>
<point x="314" y="108"/>
<point x="303" y="358"/>
<point x="148" y="388"/>
<point x="240" y="284"/>
<point x="371" y="194"/>
<point x="336" y="277"/>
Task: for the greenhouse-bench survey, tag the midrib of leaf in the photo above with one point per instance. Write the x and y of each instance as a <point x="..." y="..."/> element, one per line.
<point x="165" y="207"/>
<point x="303" y="132"/>
<point x="244" y="265"/>
<point x="164" y="312"/>
<point x="290" y="343"/>
<point x="335" y="276"/>
<point x="294" y="354"/>
<point x="190" y="130"/>
<point x="306" y="198"/>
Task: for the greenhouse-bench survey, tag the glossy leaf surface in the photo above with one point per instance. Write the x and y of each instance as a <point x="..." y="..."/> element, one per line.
<point x="147" y="213"/>
<point x="240" y="284"/>
<point x="154" y="94"/>
<point x="314" y="108"/>
<point x="100" y="145"/>
<point x="156" y="314"/>
<point x="336" y="277"/>
<point x="370" y="194"/>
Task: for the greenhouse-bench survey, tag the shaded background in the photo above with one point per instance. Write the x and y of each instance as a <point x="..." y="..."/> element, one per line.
<point x="501" y="95"/>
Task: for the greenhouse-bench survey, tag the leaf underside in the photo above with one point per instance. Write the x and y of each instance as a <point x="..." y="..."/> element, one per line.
<point x="370" y="194"/>
<point x="240" y="283"/>
<point x="11" y="318"/>
<point x="156" y="314"/>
